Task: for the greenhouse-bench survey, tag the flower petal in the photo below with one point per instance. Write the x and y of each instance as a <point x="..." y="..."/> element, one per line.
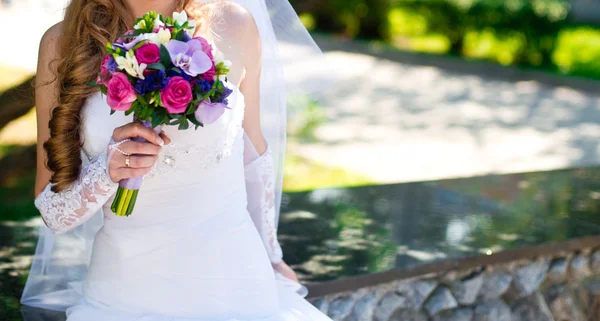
<point x="200" y="63"/>
<point x="180" y="17"/>
<point x="208" y="113"/>
<point x="193" y="46"/>
<point x="145" y="36"/>
<point x="175" y="47"/>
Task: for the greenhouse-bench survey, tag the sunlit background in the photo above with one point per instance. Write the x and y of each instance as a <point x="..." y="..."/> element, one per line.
<point x="432" y="90"/>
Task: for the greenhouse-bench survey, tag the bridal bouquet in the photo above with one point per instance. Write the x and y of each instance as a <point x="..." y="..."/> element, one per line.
<point x="162" y="75"/>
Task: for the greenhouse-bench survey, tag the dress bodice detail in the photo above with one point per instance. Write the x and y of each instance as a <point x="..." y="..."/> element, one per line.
<point x="191" y="150"/>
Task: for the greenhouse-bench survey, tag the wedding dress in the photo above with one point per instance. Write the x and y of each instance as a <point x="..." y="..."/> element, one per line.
<point x="200" y="242"/>
<point x="190" y="250"/>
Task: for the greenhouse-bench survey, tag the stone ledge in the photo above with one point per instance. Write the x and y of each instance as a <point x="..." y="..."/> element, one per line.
<point x="446" y="266"/>
<point x="550" y="282"/>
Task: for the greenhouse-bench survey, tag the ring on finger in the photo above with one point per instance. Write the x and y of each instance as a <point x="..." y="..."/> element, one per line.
<point x="128" y="161"/>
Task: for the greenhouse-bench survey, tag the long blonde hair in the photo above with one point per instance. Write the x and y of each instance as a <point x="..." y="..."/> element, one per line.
<point x="87" y="26"/>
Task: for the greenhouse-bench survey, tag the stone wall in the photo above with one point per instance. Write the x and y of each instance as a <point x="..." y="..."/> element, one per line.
<point x="561" y="288"/>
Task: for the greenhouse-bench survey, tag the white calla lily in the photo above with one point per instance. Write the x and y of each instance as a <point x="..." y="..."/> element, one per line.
<point x="157" y="23"/>
<point x="162" y="37"/>
<point x="130" y="64"/>
<point x="180" y="17"/>
<point x="220" y="58"/>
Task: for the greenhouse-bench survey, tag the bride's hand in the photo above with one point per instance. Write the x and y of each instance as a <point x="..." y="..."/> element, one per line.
<point x="285" y="270"/>
<point x="143" y="154"/>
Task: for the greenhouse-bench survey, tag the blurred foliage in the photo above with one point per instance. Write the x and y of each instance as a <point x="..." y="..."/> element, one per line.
<point x="510" y="32"/>
<point x="534" y="33"/>
<point x="352" y="18"/>
<point x="578" y="51"/>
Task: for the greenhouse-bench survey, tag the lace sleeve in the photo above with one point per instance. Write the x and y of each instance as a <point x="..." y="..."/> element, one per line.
<point x="65" y="210"/>
<point x="260" y="187"/>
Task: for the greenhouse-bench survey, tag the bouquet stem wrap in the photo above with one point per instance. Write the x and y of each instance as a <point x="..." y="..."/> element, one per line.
<point x="127" y="192"/>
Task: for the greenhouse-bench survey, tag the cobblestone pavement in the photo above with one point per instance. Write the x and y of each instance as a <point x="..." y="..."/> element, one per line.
<point x="395" y="121"/>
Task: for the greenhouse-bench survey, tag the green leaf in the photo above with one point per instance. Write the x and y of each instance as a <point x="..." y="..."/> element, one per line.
<point x="165" y="58"/>
<point x="156" y="66"/>
<point x="147" y="112"/>
<point x="94" y="84"/>
<point x="165" y="117"/>
<point x="195" y="122"/>
<point x="109" y="48"/>
<point x="183" y="124"/>
<point x="139" y="44"/>
<point x="157" y="99"/>
<point x="131" y="109"/>
<point x="155" y="120"/>
<point x="112" y="111"/>
<point x="120" y="52"/>
<point x="141" y="99"/>
<point x="189" y="110"/>
<point x="177" y="34"/>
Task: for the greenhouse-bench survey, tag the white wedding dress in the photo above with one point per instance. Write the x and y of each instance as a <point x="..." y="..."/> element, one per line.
<point x="193" y="248"/>
<point x="190" y="250"/>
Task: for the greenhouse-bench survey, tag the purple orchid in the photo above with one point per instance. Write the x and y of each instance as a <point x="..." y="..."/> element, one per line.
<point x="208" y="113"/>
<point x="133" y="42"/>
<point x="189" y="56"/>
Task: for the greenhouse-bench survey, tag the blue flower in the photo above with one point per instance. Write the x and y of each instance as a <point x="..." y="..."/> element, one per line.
<point x="221" y="97"/>
<point x="172" y="72"/>
<point x="205" y="85"/>
<point x="153" y="82"/>
<point x="111" y="65"/>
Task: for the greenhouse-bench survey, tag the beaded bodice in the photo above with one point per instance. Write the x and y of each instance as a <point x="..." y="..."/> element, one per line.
<point x="191" y="150"/>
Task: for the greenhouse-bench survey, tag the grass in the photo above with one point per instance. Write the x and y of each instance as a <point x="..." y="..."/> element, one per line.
<point x="21" y="131"/>
<point x="303" y="174"/>
<point x="10" y="76"/>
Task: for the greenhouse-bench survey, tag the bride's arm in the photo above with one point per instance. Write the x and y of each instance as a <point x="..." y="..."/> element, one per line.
<point x="66" y="209"/>
<point x="259" y="167"/>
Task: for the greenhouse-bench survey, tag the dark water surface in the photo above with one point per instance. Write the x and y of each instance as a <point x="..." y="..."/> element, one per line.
<point x="332" y="233"/>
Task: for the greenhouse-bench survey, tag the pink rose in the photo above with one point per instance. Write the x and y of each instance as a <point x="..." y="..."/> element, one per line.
<point x="120" y="94"/>
<point x="206" y="47"/>
<point x="177" y="95"/>
<point x="147" y="53"/>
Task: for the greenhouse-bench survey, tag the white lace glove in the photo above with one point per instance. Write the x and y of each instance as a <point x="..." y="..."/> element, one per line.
<point x="260" y="187"/>
<point x="65" y="210"/>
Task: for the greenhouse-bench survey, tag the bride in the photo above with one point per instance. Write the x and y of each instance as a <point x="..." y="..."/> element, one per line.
<point x="201" y="243"/>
